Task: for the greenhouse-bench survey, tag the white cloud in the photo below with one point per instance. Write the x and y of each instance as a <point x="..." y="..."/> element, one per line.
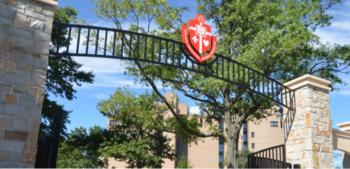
<point x="194" y="110"/>
<point x="101" y="96"/>
<point x="125" y="24"/>
<point x="339" y="30"/>
<point x="101" y="65"/>
<point x="103" y="23"/>
<point x="108" y="80"/>
<point x="342" y="25"/>
<point x="112" y="81"/>
<point x="333" y="37"/>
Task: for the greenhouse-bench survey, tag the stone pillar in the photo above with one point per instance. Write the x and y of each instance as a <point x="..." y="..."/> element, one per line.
<point x="310" y="142"/>
<point x="25" y="34"/>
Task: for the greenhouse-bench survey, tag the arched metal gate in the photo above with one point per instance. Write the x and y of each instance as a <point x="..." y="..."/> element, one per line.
<point x="100" y="42"/>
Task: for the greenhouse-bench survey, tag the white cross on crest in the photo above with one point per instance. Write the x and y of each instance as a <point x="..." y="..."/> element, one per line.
<point x="195" y="39"/>
<point x="200" y="32"/>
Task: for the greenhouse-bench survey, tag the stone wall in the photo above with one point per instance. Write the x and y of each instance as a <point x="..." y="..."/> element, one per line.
<point x="341" y="141"/>
<point x="25" y="33"/>
<point x="310" y="142"/>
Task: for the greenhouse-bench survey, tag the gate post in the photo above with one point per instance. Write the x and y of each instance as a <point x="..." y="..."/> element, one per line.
<point x="25" y="34"/>
<point x="310" y="142"/>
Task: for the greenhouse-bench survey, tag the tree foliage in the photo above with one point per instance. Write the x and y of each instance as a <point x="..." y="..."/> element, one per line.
<point x="80" y="148"/>
<point x="137" y="129"/>
<point x="62" y="73"/>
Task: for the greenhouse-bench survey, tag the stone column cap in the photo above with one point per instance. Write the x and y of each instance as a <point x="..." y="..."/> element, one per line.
<point x="49" y="2"/>
<point x="309" y="80"/>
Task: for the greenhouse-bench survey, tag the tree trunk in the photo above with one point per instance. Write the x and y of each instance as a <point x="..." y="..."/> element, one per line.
<point x="232" y="130"/>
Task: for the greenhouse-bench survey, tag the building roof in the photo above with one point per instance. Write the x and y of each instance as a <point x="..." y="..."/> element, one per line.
<point x="343" y="124"/>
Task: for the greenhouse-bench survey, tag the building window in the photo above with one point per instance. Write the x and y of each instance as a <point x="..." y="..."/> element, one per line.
<point x="221" y="155"/>
<point x="244" y="126"/>
<point x="274" y="123"/>
<point x="221" y="140"/>
<point x="252" y="134"/>
<point x="253" y="145"/>
<point x="245" y="146"/>
<point x="244" y="137"/>
<point x="221" y="126"/>
<point x="221" y="147"/>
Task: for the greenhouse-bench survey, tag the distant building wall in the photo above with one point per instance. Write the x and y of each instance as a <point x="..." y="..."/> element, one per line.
<point x="265" y="133"/>
<point x="204" y="153"/>
<point x="341" y="141"/>
<point x="25" y="34"/>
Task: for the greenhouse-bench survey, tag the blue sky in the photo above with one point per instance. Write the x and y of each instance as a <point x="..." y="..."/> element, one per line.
<point x="109" y="74"/>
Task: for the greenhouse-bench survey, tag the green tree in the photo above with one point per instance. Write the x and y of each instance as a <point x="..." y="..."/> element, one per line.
<point x="62" y="73"/>
<point x="80" y="148"/>
<point x="136" y="129"/>
<point x="275" y="37"/>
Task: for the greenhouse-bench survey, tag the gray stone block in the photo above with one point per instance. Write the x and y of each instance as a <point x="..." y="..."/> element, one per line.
<point x="48" y="13"/>
<point x="7" y="11"/>
<point x="25" y="99"/>
<point x="26" y="34"/>
<point x="22" y="45"/>
<point x="21" y="5"/>
<point x="40" y="35"/>
<point x="5" y="87"/>
<point x="15" y="156"/>
<point x="20" y="123"/>
<point x="38" y="9"/>
<point x="10" y="109"/>
<point x="11" y="146"/>
<point x="30" y="6"/>
<point x="42" y="47"/>
<point x="35" y="15"/>
<point x="5" y="21"/>
<point x="5" y="122"/>
<point x="9" y="78"/>
<point x="10" y="165"/>
<point x="21" y="21"/>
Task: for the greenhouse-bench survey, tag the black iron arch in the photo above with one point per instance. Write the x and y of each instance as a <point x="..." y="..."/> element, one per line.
<point x="93" y="41"/>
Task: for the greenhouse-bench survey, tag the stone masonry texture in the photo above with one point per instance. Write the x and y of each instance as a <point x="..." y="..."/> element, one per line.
<point x="310" y="142"/>
<point x="25" y="33"/>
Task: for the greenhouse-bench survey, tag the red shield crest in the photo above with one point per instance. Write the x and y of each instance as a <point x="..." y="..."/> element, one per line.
<point x="197" y="37"/>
